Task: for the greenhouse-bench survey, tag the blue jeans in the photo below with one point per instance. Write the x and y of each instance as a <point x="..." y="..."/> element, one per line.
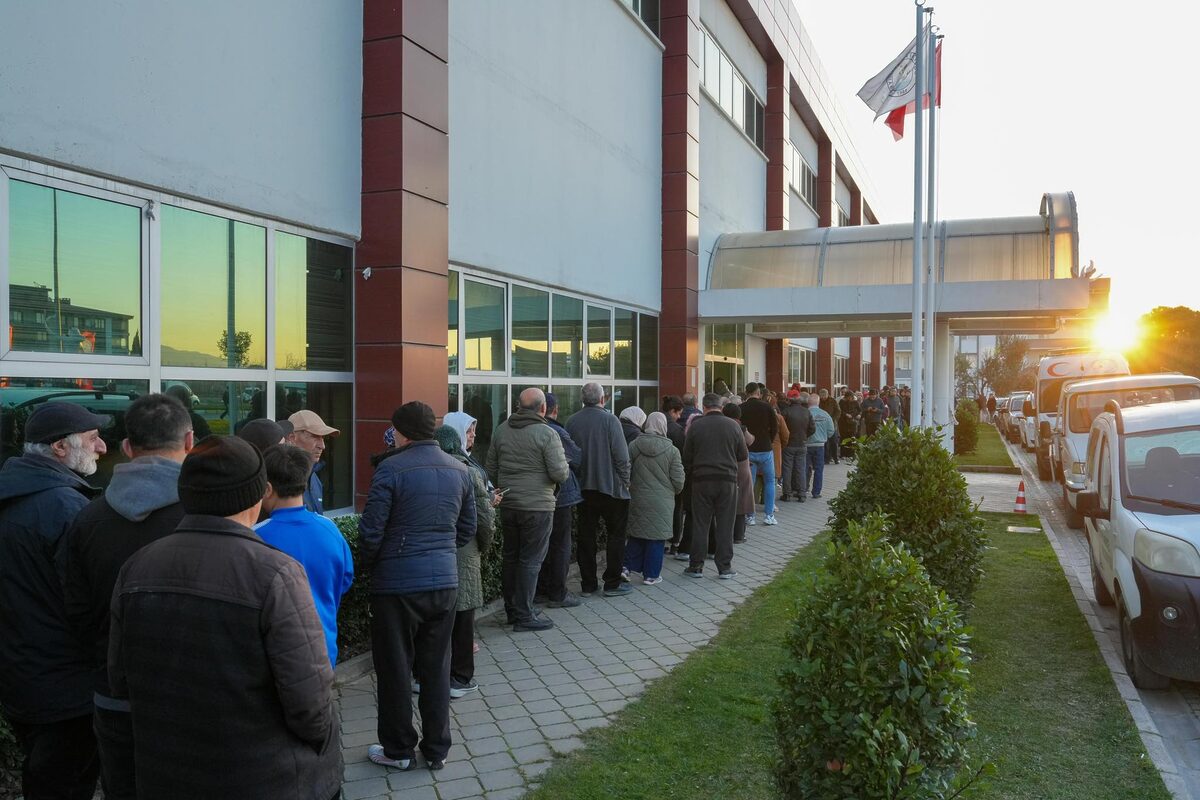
<point x="814" y="469"/>
<point x="644" y="556"/>
<point x="766" y="463"/>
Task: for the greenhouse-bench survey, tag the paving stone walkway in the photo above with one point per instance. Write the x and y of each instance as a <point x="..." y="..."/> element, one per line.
<point x="538" y="692"/>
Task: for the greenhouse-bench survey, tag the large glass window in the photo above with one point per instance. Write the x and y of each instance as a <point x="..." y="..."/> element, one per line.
<point x="75" y="273"/>
<point x="214" y="291"/>
<point x="729" y="90"/>
<point x="488" y="404"/>
<point x="570" y="400"/>
<point x="225" y="406"/>
<point x="334" y="403"/>
<point x="515" y="393"/>
<point x="648" y="399"/>
<point x="625" y="338"/>
<point x="623" y="397"/>
<point x="452" y="325"/>
<point x="599" y="340"/>
<point x="567" y="358"/>
<point x="648" y="347"/>
<point x="530" y="331"/>
<point x="484" y="312"/>
<point x="313" y="319"/>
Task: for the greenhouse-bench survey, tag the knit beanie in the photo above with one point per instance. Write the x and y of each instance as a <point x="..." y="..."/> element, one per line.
<point x="414" y="420"/>
<point x="222" y="476"/>
<point x="447" y="439"/>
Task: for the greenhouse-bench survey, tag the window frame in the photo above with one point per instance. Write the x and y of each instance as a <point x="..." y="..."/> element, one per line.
<point x="757" y="136"/>
<point x="463" y="370"/>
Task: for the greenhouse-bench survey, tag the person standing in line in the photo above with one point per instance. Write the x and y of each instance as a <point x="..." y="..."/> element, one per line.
<point x="306" y="536"/>
<point x="309" y="433"/>
<point x="552" y="579"/>
<point x="906" y="405"/>
<point x="830" y="406"/>
<point x="604" y="480"/>
<point x="673" y="408"/>
<point x="470" y="580"/>
<point x="46" y="674"/>
<point x="420" y="509"/>
<point x="814" y="463"/>
<point x="265" y="433"/>
<point x="656" y="479"/>
<point x="215" y="643"/>
<point x="140" y="506"/>
<point x="782" y="436"/>
<point x="632" y="420"/>
<point x="711" y="454"/>
<point x="895" y="407"/>
<point x="689" y="409"/>
<point x="848" y="423"/>
<point x="745" y="483"/>
<point x="182" y="393"/>
<point x="527" y="460"/>
<point x="991" y="407"/>
<point x="800" y="426"/>
<point x="760" y="419"/>
<point x="873" y="410"/>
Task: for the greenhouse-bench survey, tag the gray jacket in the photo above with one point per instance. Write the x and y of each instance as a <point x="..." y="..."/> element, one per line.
<point x="605" y="464"/>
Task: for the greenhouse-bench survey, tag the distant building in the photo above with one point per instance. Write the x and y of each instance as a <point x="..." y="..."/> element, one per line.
<point x="39" y="324"/>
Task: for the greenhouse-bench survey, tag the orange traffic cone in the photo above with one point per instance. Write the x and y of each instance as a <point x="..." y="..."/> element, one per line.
<point x="1020" y="507"/>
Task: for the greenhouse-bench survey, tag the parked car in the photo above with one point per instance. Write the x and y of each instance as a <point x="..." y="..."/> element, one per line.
<point x="1081" y="401"/>
<point x="1054" y="371"/>
<point x="1016" y="415"/>
<point x="1141" y="507"/>
<point x="1001" y="419"/>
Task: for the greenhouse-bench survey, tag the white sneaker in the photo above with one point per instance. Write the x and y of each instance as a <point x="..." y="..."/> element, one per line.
<point x="376" y="755"/>
<point x="750" y="520"/>
<point x="769" y="519"/>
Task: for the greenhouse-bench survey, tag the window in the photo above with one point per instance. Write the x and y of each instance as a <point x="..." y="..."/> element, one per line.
<point x="214" y="291"/>
<point x="334" y="402"/>
<point x="625" y="344"/>
<point x="452" y="326"/>
<point x="312" y="292"/>
<point x="843" y="216"/>
<point x="599" y="340"/>
<point x="75" y="273"/>
<point x="570" y="400"/>
<point x="567" y="350"/>
<point x="648" y="360"/>
<point x="730" y="91"/>
<point x="484" y="325"/>
<point x="624" y="397"/>
<point x="488" y="404"/>
<point x="804" y="179"/>
<point x="646" y="10"/>
<point x="530" y="331"/>
<point x="1104" y="476"/>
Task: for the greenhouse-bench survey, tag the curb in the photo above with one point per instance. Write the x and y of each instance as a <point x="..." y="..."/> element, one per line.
<point x="993" y="470"/>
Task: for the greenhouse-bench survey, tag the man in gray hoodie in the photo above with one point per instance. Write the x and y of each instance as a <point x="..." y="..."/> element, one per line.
<point x="140" y="506"/>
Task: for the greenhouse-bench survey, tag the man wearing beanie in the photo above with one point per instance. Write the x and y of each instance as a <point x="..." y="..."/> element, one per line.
<point x="420" y="508"/>
<point x="216" y="645"/>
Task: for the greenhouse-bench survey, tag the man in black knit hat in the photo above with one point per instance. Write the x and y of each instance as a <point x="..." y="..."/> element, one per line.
<point x="217" y="646"/>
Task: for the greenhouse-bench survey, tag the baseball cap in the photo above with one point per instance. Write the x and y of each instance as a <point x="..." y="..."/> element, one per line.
<point x="311" y="422"/>
<point x="53" y="421"/>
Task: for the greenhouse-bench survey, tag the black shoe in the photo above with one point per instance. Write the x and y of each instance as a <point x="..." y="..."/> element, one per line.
<point x="435" y="764"/>
<point x="569" y="601"/>
<point x="740" y="541"/>
<point x="694" y="572"/>
<point x="800" y="499"/>
<point x="535" y="624"/>
<point x="540" y="599"/>
<point x="783" y="498"/>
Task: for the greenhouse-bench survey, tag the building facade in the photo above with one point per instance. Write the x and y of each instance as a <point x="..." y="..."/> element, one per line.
<point x="403" y="199"/>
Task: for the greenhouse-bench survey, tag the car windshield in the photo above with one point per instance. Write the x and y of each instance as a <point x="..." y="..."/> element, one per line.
<point x="1164" y="466"/>
<point x="1086" y="406"/>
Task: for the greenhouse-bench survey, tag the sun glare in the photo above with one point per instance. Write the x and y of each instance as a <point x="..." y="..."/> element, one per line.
<point x="1113" y="332"/>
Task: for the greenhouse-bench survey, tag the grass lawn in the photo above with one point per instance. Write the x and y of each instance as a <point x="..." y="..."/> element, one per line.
<point x="990" y="451"/>
<point x="1048" y="713"/>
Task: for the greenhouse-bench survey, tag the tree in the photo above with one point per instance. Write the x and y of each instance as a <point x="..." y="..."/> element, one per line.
<point x="1168" y="342"/>
<point x="1009" y="368"/>
<point x="965" y="380"/>
<point x="241" y="348"/>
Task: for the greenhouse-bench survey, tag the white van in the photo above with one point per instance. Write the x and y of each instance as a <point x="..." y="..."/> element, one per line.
<point x="1016" y="415"/>
<point x="1082" y="401"/>
<point x="1053" y="372"/>
<point x="1142" y="516"/>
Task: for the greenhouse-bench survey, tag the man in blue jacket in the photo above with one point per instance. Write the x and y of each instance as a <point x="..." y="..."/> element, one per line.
<point x="421" y="506"/>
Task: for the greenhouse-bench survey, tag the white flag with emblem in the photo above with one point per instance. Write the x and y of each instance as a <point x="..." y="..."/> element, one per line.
<point x="896" y="85"/>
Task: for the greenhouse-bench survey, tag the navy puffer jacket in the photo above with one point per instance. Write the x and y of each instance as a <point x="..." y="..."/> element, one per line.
<point x="421" y="507"/>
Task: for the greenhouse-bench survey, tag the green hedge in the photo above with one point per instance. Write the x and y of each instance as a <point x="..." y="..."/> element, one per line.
<point x="966" y="427"/>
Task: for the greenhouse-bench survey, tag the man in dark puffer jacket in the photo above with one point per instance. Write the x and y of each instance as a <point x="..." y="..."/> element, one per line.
<point x="421" y="507"/>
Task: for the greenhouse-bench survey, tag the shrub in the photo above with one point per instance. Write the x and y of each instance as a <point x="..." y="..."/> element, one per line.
<point x="908" y="475"/>
<point x="873" y="700"/>
<point x="966" y="426"/>
<point x="10" y="761"/>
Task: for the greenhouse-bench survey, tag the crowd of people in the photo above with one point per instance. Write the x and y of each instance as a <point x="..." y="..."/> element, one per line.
<point x="175" y="636"/>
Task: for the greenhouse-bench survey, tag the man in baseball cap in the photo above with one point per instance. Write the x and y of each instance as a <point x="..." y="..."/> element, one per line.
<point x="309" y="434"/>
<point x="45" y="675"/>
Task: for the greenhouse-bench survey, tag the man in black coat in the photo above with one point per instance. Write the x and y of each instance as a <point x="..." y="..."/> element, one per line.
<point x="711" y="452"/>
<point x="800" y="426"/>
<point x="45" y="673"/>
<point x="140" y="506"/>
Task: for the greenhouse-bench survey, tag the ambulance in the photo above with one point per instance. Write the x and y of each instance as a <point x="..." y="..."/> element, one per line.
<point x="1053" y="372"/>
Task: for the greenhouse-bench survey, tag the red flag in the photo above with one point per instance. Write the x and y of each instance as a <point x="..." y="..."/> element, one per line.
<point x="895" y="117"/>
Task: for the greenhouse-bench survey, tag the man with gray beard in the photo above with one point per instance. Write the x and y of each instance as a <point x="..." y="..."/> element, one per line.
<point x="45" y="671"/>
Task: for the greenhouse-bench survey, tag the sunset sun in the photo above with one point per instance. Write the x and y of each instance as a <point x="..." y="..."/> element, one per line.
<point x="1116" y="332"/>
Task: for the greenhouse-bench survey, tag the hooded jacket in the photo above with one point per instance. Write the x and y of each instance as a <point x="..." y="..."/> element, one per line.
<point x="141" y="505"/>
<point x="527" y="458"/>
<point x="45" y="673"/>
<point x="655" y="479"/>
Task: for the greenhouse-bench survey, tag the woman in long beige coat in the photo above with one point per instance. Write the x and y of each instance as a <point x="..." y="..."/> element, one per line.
<point x="655" y="477"/>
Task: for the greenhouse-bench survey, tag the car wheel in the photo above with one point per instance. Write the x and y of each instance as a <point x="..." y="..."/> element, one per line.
<point x="1103" y="595"/>
<point x="1142" y="676"/>
<point x="1074" y="518"/>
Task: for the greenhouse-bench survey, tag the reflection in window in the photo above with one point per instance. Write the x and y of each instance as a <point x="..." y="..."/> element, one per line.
<point x="75" y="273"/>
<point x="599" y="340"/>
<point x="567" y="355"/>
<point x="623" y="397"/>
<point x="515" y="394"/>
<point x="225" y="405"/>
<point x="570" y="400"/>
<point x="313" y="307"/>
<point x="485" y="323"/>
<point x="452" y="398"/>
<point x="214" y="284"/>
<point x="625" y="344"/>
<point x="487" y="403"/>
<point x="648" y="399"/>
<point x="530" y="331"/>
<point x="452" y="332"/>
<point x="20" y="396"/>
<point x="333" y="402"/>
<point x="648" y="345"/>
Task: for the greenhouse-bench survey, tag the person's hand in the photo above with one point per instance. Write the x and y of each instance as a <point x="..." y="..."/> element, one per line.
<point x="496" y="498"/>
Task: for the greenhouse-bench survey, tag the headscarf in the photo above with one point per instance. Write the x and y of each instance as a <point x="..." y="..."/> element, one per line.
<point x="634" y="415"/>
<point x="461" y="421"/>
<point x="447" y="439"/>
<point x="656" y="423"/>
<point x="389" y="437"/>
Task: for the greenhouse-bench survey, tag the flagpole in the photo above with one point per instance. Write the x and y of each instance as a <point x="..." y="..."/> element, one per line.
<point x="918" y="264"/>
<point x="931" y="247"/>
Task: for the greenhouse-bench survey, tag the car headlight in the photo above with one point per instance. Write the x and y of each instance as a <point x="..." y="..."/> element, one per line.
<point x="1166" y="553"/>
<point x="1078" y="468"/>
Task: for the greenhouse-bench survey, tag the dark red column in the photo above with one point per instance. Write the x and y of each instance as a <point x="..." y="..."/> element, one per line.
<point x="776" y="364"/>
<point x="854" y="366"/>
<point x="400" y="305"/>
<point x="891" y="361"/>
<point x="875" y="373"/>
<point x="825" y="363"/>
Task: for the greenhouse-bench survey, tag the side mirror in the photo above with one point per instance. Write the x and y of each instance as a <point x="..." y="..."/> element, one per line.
<point x="1027" y="408"/>
<point x="1044" y="430"/>
<point x="1088" y="505"/>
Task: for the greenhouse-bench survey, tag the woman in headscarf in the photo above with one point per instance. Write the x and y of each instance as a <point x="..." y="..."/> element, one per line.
<point x="470" y="581"/>
<point x="656" y="476"/>
<point x="632" y="420"/>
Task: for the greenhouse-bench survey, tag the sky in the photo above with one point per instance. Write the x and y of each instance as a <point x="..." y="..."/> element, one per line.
<point x="1050" y="96"/>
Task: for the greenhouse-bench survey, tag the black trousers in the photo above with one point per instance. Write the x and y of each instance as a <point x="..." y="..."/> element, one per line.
<point x="410" y="636"/>
<point x="114" y="739"/>
<point x="682" y="501"/>
<point x="60" y="761"/>
<point x="714" y="501"/>
<point x="832" y="449"/>
<point x="614" y="512"/>
<point x="462" y="647"/>
<point x="552" y="579"/>
<point x="526" y="539"/>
